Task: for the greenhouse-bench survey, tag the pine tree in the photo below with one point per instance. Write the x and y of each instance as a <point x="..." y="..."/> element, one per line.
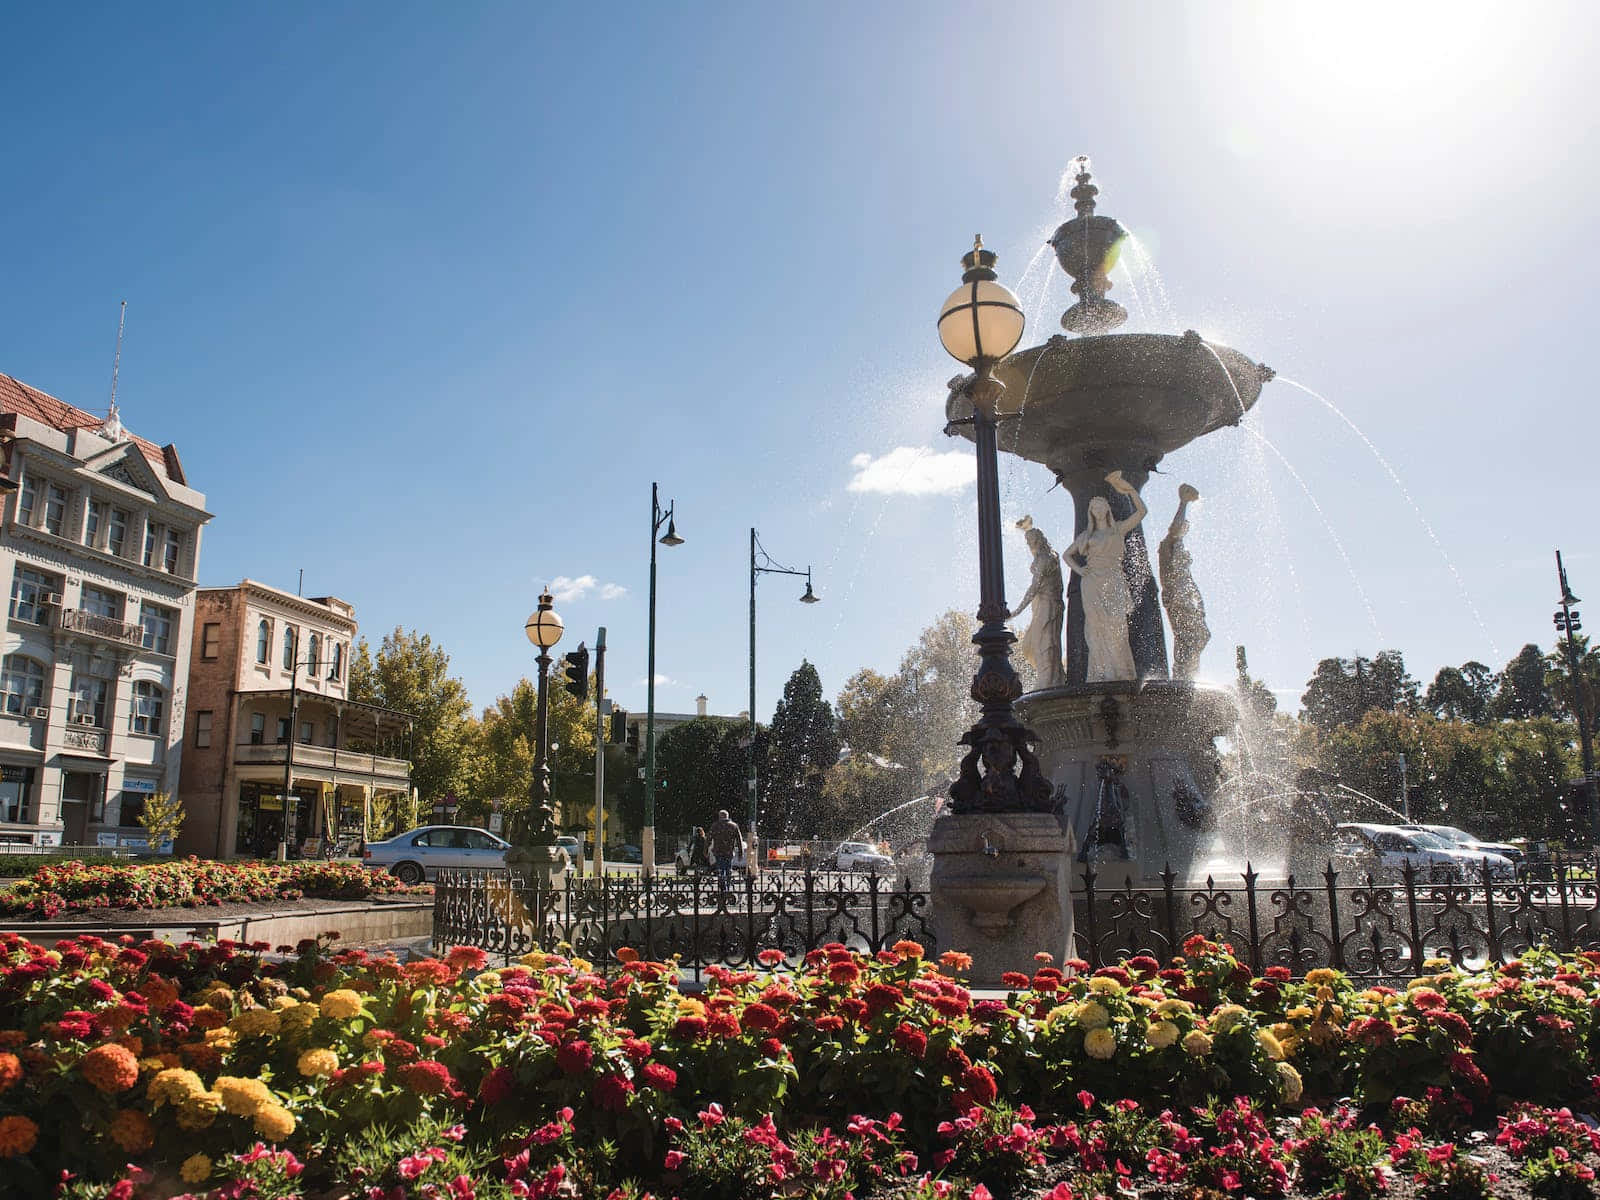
<point x="805" y="744"/>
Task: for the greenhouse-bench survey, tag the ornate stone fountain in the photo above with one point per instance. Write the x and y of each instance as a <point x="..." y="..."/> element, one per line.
<point x="1130" y="750"/>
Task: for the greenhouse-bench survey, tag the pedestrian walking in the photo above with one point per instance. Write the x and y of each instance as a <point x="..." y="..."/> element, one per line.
<point x="726" y="844"/>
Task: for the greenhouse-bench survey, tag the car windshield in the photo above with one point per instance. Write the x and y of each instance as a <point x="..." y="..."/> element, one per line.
<point x="1430" y="841"/>
<point x="1451" y="833"/>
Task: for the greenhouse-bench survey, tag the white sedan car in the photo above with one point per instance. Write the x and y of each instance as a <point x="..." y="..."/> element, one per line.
<point x="1385" y="849"/>
<point x="862" y="856"/>
<point x="420" y="854"/>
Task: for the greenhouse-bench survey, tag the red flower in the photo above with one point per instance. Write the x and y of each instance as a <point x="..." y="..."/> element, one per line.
<point x="636" y="1049"/>
<point x="911" y="1039"/>
<point x="612" y="1091"/>
<point x="673" y="1160"/>
<point x="427" y="1078"/>
<point x="659" y="1076"/>
<point x="980" y="1082"/>
<point x="496" y="1086"/>
<point x="844" y="972"/>
<point x="575" y="1057"/>
<point x="854" y="1008"/>
<point x="690" y="1027"/>
<point x="760" y="1016"/>
<point x="830" y="1024"/>
<point x="881" y="997"/>
<point x="723" y="1025"/>
<point x="1014" y="979"/>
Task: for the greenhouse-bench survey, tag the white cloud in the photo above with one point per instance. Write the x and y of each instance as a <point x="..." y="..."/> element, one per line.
<point x="912" y="471"/>
<point x="566" y="589"/>
<point x="661" y="680"/>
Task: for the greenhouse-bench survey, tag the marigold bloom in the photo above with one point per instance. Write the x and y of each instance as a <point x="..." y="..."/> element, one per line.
<point x="243" y="1097"/>
<point x="195" y="1169"/>
<point x="1099" y="1043"/>
<point x="1197" y="1043"/>
<point x="274" y="1122"/>
<point x="1319" y="976"/>
<point x="1104" y="985"/>
<point x="1289" y="1080"/>
<point x="175" y="1085"/>
<point x="256" y="1022"/>
<point x="17" y="1136"/>
<point x="341" y="1004"/>
<point x="110" y="1068"/>
<point x="198" y="1112"/>
<point x="1270" y="1044"/>
<point x="1091" y="1014"/>
<point x="1161" y="1034"/>
<point x="131" y="1130"/>
<point x="312" y="1063"/>
<point x="1227" y="1017"/>
<point x="10" y="1070"/>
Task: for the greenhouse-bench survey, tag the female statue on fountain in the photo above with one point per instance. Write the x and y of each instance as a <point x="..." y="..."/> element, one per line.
<point x="1107" y="602"/>
<point x="1041" y="642"/>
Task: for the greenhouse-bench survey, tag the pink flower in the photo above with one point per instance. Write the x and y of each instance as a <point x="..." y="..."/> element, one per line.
<point x="673" y="1160"/>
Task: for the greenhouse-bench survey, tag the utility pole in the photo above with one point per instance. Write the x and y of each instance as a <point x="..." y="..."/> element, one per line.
<point x="601" y="707"/>
<point x="1405" y="791"/>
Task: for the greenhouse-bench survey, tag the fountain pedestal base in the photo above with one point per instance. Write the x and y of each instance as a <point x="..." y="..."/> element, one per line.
<point x="999" y="890"/>
<point x="1135" y="769"/>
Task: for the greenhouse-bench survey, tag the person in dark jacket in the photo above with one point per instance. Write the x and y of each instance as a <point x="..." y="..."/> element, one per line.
<point x="726" y="842"/>
<point x="699" y="850"/>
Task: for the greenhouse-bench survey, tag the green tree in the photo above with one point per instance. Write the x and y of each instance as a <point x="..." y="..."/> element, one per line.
<point x="1559" y="678"/>
<point x="805" y="743"/>
<point x="938" y="707"/>
<point x="500" y="755"/>
<point x="1524" y="691"/>
<point x="1464" y="693"/>
<point x="1343" y="690"/>
<point x="162" y="818"/>
<point x="411" y="674"/>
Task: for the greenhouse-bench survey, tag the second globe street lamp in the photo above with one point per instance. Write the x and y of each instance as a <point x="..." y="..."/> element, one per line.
<point x="979" y="324"/>
<point x="544" y="628"/>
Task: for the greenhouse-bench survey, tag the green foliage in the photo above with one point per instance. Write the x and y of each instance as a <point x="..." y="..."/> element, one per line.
<point x="1524" y="690"/>
<point x="1464" y="693"/>
<point x="1342" y="690"/>
<point x="805" y="744"/>
<point x="162" y="818"/>
<point x="411" y="674"/>
<point x="702" y="766"/>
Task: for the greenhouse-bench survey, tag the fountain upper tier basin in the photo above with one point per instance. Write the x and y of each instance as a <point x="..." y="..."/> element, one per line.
<point x="1119" y="400"/>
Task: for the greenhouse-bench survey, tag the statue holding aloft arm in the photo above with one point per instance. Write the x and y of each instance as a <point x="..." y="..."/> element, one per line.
<point x="1041" y="642"/>
<point x="1107" y="602"/>
<point x="1186" y="610"/>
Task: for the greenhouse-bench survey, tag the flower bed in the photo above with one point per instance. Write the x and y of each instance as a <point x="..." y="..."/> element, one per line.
<point x="188" y="883"/>
<point x="213" y="1071"/>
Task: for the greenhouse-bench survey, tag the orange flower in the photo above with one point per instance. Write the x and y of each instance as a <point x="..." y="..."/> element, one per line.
<point x="627" y="954"/>
<point x="111" y="1068"/>
<point x="201" y="1056"/>
<point x="10" y="1070"/>
<point x="908" y="949"/>
<point x="132" y="1130"/>
<point x="954" y="960"/>
<point x="158" y="992"/>
<point x="17" y="1136"/>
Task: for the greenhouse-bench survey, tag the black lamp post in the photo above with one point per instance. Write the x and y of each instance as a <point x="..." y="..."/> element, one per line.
<point x="1567" y="622"/>
<point x="979" y="324"/>
<point x="543" y="627"/>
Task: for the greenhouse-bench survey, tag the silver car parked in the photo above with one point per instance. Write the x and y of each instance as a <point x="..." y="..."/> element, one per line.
<point x="420" y="854"/>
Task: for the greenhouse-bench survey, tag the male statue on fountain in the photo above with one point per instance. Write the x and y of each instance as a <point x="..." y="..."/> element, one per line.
<point x="1041" y="642"/>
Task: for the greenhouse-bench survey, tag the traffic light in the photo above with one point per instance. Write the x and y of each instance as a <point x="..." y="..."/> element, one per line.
<point x="619" y="727"/>
<point x="633" y="740"/>
<point x="577" y="671"/>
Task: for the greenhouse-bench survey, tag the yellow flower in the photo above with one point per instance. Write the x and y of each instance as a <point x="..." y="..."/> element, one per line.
<point x="151" y="1066"/>
<point x="243" y="1097"/>
<point x="174" y="1086"/>
<point x="283" y="1003"/>
<point x="1104" y="985"/>
<point x="341" y="1004"/>
<point x="1270" y="1044"/>
<point x="1099" y="1043"/>
<point x="1227" y="1017"/>
<point x="1143" y="1002"/>
<point x="488" y="981"/>
<point x="196" y="1169"/>
<point x="1161" y="1034"/>
<point x="1173" y="1007"/>
<point x="197" y="1112"/>
<point x="536" y="959"/>
<point x="1093" y="1015"/>
<point x="582" y="964"/>
<point x="1197" y="1043"/>
<point x="255" y="1022"/>
<point x="1298" y="1013"/>
<point x="1437" y="964"/>
<point x="274" y="1122"/>
<point x="1318" y="976"/>
<point x="1292" y="1084"/>
<point x="318" y="1062"/>
<point x="688" y="1006"/>
<point x="372" y="1039"/>
<point x="1057" y="1015"/>
<point x="218" y="995"/>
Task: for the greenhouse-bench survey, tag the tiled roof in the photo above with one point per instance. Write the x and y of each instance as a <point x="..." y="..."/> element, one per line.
<point x="18" y="397"/>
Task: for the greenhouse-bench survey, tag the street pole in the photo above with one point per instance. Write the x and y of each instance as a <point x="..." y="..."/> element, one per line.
<point x="541" y="765"/>
<point x="1566" y="621"/>
<point x="288" y="750"/>
<point x="600" y="714"/>
<point x="647" y="857"/>
<point x="1405" y="791"/>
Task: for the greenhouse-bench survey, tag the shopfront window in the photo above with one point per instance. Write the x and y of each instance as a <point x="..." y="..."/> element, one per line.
<point x="16" y="793"/>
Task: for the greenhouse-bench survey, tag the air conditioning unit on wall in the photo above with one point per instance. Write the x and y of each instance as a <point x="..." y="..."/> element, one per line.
<point x="39" y="714"/>
<point x="84" y="719"/>
<point x="53" y="599"/>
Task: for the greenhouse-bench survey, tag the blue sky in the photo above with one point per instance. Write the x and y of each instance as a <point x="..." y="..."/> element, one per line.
<point x="427" y="295"/>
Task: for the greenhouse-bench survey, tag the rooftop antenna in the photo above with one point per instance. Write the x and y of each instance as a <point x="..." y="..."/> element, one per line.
<point x="113" y="424"/>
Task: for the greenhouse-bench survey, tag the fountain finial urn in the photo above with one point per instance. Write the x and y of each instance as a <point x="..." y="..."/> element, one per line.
<point x="1087" y="247"/>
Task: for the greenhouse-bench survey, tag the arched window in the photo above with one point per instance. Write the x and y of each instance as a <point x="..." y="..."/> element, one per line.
<point x="288" y="647"/>
<point x="336" y="661"/>
<point x="314" y="659"/>
<point x="22" y="683"/>
<point x="263" y="641"/>
<point x="149" y="702"/>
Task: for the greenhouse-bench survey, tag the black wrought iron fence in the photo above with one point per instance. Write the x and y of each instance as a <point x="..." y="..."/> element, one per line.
<point x="1370" y="929"/>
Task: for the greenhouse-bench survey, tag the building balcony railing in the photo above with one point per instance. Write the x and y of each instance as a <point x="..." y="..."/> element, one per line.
<point x="105" y="629"/>
<point x="324" y="758"/>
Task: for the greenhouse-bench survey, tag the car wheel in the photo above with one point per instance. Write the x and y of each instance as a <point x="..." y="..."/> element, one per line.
<point x="408" y="873"/>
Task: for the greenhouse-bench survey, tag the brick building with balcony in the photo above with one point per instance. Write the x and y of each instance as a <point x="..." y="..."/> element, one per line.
<point x="100" y="544"/>
<point x="269" y="704"/>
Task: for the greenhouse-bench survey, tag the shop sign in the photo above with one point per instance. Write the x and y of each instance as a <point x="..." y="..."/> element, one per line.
<point x="269" y="803"/>
<point x="11" y="774"/>
<point x="146" y="786"/>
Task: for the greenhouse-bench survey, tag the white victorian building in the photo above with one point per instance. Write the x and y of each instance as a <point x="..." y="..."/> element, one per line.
<point x="99" y="544"/>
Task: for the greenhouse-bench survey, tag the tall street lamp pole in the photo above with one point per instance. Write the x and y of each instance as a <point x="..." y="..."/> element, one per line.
<point x="979" y="324"/>
<point x="544" y="628"/>
<point x="763" y="565"/>
<point x="1568" y="623"/>
<point x="658" y="516"/>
